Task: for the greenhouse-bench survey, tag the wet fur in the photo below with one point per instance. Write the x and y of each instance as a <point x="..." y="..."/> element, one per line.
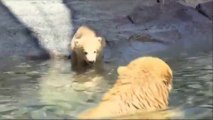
<point x="144" y="84"/>
<point x="85" y="36"/>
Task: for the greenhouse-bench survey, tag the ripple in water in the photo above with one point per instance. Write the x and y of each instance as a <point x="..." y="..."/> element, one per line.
<point x="48" y="89"/>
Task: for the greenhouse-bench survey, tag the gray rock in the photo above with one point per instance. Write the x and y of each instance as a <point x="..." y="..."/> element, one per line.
<point x="15" y="38"/>
<point x="132" y="29"/>
<point x="135" y="29"/>
<point x="192" y="3"/>
<point x="49" y="21"/>
<point x="206" y="9"/>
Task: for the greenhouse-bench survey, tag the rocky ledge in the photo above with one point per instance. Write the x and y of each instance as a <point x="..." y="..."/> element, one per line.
<point x="132" y="28"/>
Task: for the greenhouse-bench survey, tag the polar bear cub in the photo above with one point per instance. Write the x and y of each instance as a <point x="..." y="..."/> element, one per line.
<point x="87" y="49"/>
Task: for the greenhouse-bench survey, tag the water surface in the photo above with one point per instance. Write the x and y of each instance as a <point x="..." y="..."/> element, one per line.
<point x="49" y="89"/>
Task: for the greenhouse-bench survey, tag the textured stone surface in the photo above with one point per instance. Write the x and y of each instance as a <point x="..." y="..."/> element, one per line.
<point x="15" y="38"/>
<point x="132" y="29"/>
<point x="49" y="21"/>
<point x="206" y="9"/>
<point x="192" y="3"/>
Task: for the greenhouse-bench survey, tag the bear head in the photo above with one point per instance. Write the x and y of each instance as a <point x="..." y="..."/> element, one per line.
<point x="90" y="48"/>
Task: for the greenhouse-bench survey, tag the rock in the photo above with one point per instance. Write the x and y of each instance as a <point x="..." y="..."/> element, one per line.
<point x="206" y="9"/>
<point x="49" y="21"/>
<point x="135" y="29"/>
<point x="16" y="39"/>
<point x="192" y="3"/>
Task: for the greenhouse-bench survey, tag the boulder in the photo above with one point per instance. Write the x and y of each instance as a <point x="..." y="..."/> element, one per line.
<point x="49" y="21"/>
<point x="134" y="29"/>
<point x="206" y="9"/>
<point x="192" y="3"/>
<point x="16" y="39"/>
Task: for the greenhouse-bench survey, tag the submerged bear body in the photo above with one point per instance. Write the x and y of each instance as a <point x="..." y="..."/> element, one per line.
<point x="144" y="84"/>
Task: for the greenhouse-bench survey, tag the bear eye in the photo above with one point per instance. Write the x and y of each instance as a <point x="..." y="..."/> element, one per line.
<point x="85" y="53"/>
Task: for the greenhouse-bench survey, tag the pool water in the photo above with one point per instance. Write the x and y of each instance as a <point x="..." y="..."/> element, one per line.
<point x="49" y="89"/>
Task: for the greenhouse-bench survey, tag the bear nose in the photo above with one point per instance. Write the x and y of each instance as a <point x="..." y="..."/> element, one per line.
<point x="91" y="62"/>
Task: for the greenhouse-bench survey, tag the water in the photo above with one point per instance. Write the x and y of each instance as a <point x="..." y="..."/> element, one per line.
<point x="48" y="89"/>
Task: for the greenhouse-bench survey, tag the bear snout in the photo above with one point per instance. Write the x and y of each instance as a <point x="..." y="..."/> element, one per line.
<point x="91" y="58"/>
<point x="91" y="62"/>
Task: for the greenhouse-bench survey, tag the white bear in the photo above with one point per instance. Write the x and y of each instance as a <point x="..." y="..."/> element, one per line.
<point x="87" y="49"/>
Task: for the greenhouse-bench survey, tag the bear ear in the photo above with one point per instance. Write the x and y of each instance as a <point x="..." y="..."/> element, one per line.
<point x="76" y="43"/>
<point x="121" y="69"/>
<point x="168" y="85"/>
<point x="78" y="35"/>
<point x="102" y="40"/>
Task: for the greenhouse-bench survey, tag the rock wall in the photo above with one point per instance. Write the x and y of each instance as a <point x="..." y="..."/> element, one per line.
<point x="50" y="22"/>
<point x="192" y="3"/>
<point x="132" y="28"/>
<point x="16" y="39"/>
<point x="136" y="28"/>
<point x="206" y="9"/>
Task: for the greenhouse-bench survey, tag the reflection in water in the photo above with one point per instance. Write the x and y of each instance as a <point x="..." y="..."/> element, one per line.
<point x="49" y="89"/>
<point x="67" y="90"/>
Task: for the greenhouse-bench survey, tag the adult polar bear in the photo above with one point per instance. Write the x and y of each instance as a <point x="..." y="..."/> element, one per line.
<point x="143" y="85"/>
<point x="87" y="49"/>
